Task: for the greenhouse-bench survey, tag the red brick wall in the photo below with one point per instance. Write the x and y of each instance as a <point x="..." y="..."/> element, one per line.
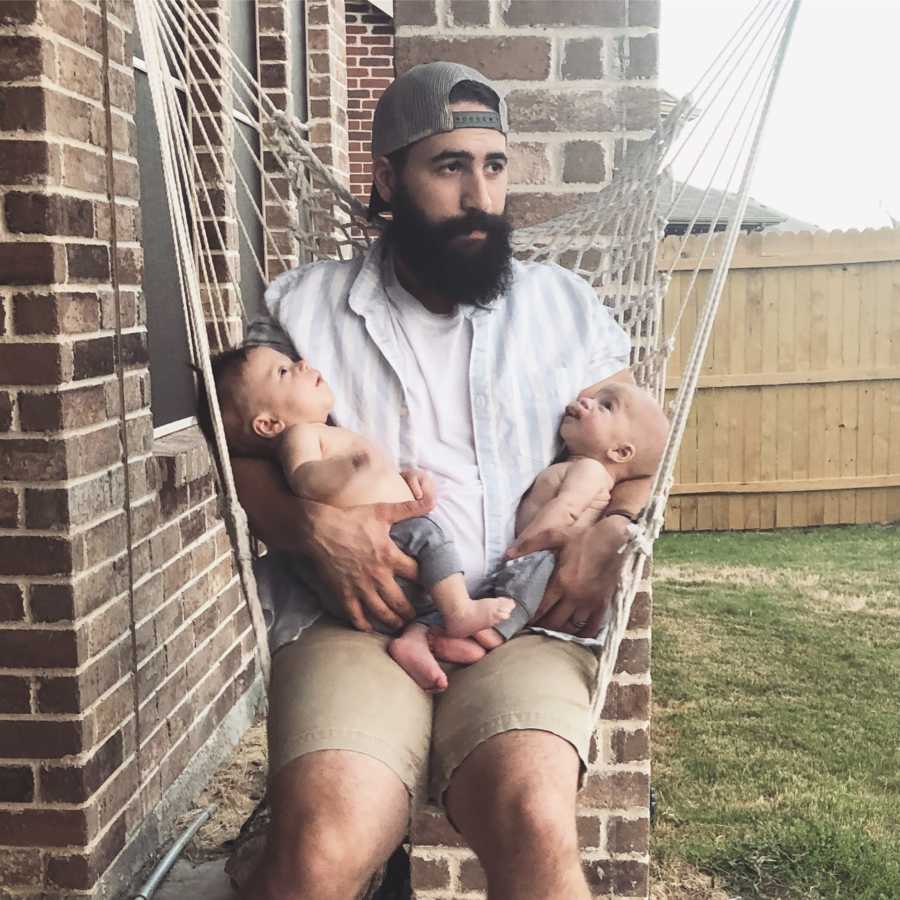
<point x="327" y="85"/>
<point x="124" y="639"/>
<point x="370" y="69"/>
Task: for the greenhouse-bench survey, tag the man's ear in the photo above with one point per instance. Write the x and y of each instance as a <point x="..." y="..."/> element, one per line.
<point x="623" y="453"/>
<point x="266" y="426"/>
<point x="384" y="177"/>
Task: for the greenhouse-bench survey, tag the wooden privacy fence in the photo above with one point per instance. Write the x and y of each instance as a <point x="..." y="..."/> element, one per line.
<point x="797" y="416"/>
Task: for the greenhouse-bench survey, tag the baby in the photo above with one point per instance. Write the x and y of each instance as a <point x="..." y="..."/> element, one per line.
<point x="275" y="407"/>
<point x="615" y="435"/>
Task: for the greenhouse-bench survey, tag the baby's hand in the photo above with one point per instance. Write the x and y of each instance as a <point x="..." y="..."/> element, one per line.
<point x="420" y="483"/>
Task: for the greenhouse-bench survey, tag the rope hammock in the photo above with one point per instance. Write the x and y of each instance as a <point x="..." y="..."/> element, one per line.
<point x="609" y="238"/>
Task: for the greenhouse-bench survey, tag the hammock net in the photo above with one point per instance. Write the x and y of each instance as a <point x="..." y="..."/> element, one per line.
<point x="710" y="137"/>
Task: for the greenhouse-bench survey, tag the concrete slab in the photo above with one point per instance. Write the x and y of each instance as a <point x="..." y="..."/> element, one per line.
<point x="206" y="881"/>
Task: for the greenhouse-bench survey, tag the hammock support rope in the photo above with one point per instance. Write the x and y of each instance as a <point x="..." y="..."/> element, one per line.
<point x="610" y="238"/>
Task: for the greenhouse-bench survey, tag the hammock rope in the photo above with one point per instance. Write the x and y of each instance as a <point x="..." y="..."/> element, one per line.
<point x="611" y="239"/>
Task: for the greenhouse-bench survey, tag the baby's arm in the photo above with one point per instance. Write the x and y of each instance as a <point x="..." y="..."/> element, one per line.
<point x="584" y="480"/>
<point x="307" y="473"/>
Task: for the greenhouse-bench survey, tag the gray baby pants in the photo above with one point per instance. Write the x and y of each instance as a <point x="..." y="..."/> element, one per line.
<point x="523" y="580"/>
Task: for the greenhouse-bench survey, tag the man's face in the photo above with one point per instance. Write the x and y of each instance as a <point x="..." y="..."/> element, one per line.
<point x="275" y="392"/>
<point x="447" y="205"/>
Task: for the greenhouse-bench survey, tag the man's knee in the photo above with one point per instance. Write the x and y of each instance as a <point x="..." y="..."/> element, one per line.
<point x="336" y="817"/>
<point x="520" y="789"/>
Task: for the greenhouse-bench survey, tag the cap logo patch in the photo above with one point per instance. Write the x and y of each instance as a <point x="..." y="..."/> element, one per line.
<point x="485" y="119"/>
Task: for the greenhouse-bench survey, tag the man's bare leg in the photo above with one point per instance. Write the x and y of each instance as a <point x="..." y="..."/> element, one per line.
<point x="336" y="817"/>
<point x="514" y="801"/>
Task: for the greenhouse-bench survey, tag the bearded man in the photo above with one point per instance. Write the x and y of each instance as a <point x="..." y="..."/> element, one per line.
<point x="460" y="361"/>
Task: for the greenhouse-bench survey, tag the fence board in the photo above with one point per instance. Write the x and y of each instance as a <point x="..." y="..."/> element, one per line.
<point x="797" y="415"/>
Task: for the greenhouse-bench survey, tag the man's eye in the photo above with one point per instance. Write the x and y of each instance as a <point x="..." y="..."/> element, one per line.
<point x="450" y="167"/>
<point x="283" y="370"/>
<point x="497" y="167"/>
<point x="607" y="404"/>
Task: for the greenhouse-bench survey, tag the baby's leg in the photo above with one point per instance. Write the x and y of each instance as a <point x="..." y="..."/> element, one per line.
<point x="463" y="615"/>
<point x="411" y="651"/>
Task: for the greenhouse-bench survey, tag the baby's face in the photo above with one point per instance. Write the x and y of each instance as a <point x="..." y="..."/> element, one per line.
<point x="275" y="386"/>
<point x="611" y="418"/>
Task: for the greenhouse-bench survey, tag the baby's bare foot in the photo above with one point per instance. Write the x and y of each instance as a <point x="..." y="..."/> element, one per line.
<point x="413" y="654"/>
<point x="464" y="651"/>
<point x="482" y="613"/>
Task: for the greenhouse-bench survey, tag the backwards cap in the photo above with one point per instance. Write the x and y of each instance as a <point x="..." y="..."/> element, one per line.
<point x="417" y="105"/>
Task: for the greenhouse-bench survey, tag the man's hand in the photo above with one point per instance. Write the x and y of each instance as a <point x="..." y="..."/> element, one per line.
<point x="587" y="571"/>
<point x="355" y="555"/>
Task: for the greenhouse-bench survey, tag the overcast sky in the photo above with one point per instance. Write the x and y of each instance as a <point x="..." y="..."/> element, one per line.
<point x="832" y="149"/>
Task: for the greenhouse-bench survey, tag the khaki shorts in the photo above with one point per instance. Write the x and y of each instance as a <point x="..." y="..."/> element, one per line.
<point x="335" y="688"/>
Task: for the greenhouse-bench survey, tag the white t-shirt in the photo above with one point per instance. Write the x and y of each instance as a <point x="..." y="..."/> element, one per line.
<point x="435" y="352"/>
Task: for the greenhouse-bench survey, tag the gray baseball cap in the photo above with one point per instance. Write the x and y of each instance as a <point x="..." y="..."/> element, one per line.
<point x="417" y="105"/>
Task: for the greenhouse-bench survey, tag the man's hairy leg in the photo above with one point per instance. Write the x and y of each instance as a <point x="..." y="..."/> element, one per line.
<point x="514" y="801"/>
<point x="336" y="816"/>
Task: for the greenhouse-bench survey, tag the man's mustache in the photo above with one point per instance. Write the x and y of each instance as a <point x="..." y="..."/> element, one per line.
<point x="473" y="220"/>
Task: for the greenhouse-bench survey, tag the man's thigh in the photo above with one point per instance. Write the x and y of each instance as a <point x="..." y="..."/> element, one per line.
<point x="335" y="688"/>
<point x="531" y="682"/>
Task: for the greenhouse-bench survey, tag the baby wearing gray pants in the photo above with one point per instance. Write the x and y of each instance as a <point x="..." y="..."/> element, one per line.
<point x="523" y="580"/>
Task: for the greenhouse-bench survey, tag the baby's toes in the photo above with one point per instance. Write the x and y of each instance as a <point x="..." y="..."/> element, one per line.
<point x="503" y="608"/>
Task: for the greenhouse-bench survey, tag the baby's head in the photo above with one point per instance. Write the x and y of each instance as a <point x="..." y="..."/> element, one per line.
<point x="261" y="393"/>
<point x="621" y="425"/>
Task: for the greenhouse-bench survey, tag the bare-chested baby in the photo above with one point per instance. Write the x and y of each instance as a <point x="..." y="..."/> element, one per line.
<point x="275" y="407"/>
<point x="612" y="435"/>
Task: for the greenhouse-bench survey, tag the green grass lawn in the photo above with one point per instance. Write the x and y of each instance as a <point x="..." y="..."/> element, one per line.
<point x="777" y="711"/>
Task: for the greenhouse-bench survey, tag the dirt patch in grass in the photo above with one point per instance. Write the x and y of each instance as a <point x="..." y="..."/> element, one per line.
<point x="676" y="880"/>
<point x="743" y="576"/>
<point x="236" y="789"/>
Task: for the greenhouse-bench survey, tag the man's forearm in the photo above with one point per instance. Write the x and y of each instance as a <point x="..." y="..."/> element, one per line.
<point x="629" y="496"/>
<point x="278" y="518"/>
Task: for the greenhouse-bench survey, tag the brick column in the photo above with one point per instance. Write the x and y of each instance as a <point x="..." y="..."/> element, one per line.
<point x="578" y="77"/>
<point x="326" y="39"/>
<point x="212" y="131"/>
<point x="370" y="69"/>
<point x="124" y="641"/>
<point x="275" y="46"/>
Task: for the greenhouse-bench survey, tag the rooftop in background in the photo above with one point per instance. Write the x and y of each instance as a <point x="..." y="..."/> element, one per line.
<point x="757" y="217"/>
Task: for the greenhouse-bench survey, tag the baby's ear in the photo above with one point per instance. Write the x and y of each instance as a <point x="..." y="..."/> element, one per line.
<point x="623" y="453"/>
<point x="267" y="426"/>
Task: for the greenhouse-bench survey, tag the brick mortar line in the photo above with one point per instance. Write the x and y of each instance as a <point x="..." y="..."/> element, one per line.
<point x="625" y="724"/>
<point x="47" y="83"/>
<point x="68" y="337"/>
<point x="592" y="855"/>
<point x="65" y="435"/>
<point x="625" y="678"/>
<point x="60" y="40"/>
<point x="61" y="190"/>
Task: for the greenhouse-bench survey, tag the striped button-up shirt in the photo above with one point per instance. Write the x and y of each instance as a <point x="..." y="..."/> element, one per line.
<point x="533" y="349"/>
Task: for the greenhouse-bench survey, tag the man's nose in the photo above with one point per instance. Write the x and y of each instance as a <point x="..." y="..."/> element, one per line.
<point x="476" y="194"/>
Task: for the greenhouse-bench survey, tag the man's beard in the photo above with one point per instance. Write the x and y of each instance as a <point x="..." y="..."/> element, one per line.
<point x="470" y="273"/>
